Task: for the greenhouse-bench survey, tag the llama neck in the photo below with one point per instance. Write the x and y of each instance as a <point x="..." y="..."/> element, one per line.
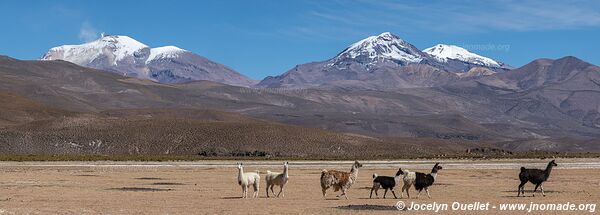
<point x="285" y="171"/>
<point x="548" y="170"/>
<point x="354" y="172"/>
<point x="240" y="174"/>
<point x="434" y="175"/>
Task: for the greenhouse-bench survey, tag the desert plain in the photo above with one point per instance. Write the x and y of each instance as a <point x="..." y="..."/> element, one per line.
<point x="210" y="187"/>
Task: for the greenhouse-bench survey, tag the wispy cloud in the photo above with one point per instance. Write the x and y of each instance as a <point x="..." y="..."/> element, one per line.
<point x="456" y="16"/>
<point x="87" y="32"/>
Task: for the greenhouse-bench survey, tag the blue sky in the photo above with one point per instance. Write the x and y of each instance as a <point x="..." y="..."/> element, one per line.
<point x="259" y="38"/>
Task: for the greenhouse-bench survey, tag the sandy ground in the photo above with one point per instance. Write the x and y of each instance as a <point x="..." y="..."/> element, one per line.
<point x="210" y="187"/>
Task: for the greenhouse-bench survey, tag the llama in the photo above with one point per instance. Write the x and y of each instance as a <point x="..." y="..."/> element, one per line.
<point x="339" y="180"/>
<point x="386" y="182"/>
<point x="248" y="179"/>
<point x="409" y="180"/>
<point x="535" y="176"/>
<point x="275" y="178"/>
<point x="423" y="181"/>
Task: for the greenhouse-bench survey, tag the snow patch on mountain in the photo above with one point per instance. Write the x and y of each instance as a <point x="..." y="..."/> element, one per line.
<point x="164" y="52"/>
<point x="443" y="53"/>
<point x="386" y="46"/>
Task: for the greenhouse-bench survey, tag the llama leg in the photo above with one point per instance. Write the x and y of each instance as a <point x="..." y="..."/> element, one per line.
<point x="535" y="189"/>
<point x="407" y="191"/>
<point x="273" y="192"/>
<point x="419" y="194"/>
<point x="267" y="189"/>
<point x="427" y="191"/>
<point x="256" y="187"/>
<point x="280" y="191"/>
<point x="402" y="192"/>
<point x="344" y="193"/>
<point x="394" y="193"/>
<point x="542" y="188"/>
<point x="244" y="189"/>
<point x="324" y="191"/>
<point x="371" y="195"/>
<point x="521" y="188"/>
<point x="385" y="193"/>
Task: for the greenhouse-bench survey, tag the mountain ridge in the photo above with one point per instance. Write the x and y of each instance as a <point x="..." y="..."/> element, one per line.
<point x="364" y="61"/>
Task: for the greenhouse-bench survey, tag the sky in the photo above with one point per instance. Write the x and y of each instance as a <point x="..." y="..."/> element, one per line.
<point x="259" y="38"/>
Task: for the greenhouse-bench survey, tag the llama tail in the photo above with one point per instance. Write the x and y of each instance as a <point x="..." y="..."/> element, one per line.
<point x="375" y="175"/>
<point x="323" y="172"/>
<point x="522" y="169"/>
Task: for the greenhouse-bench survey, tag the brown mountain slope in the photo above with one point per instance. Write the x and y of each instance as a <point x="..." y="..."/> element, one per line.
<point x="17" y="110"/>
<point x="487" y="109"/>
<point x="68" y="86"/>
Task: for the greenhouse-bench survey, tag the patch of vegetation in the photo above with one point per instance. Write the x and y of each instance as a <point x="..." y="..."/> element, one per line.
<point x="258" y="155"/>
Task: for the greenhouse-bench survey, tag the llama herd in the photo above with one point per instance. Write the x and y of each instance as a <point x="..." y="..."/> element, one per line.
<point x="341" y="180"/>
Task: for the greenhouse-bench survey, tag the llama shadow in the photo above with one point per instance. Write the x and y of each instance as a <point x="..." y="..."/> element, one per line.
<point x="381" y="198"/>
<point x="367" y="207"/>
<point x="249" y="197"/>
<point x="531" y="191"/>
<point x="167" y="183"/>
<point x="514" y="196"/>
<point x="140" y="189"/>
<point x="442" y="184"/>
<point x="148" y="178"/>
<point x="335" y="199"/>
<point x="523" y="196"/>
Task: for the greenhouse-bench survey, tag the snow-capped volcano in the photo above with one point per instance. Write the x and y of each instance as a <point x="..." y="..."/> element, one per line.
<point x="125" y="55"/>
<point x="385" y="46"/>
<point x="386" y="61"/>
<point x="117" y="48"/>
<point x="443" y="53"/>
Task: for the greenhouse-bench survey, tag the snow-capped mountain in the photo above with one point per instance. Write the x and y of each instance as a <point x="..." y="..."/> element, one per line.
<point x="127" y="56"/>
<point x="443" y="53"/>
<point x="361" y="61"/>
<point x="385" y="46"/>
<point x="115" y="48"/>
<point x="386" y="61"/>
